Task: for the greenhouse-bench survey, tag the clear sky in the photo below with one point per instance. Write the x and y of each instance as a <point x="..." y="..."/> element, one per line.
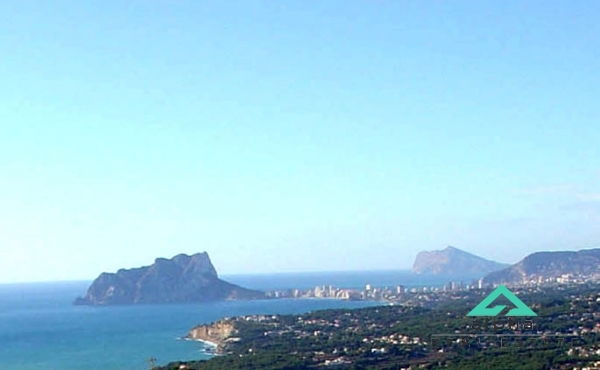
<point x="285" y="136"/>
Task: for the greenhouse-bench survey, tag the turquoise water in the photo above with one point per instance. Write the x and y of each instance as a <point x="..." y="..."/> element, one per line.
<point x="41" y="329"/>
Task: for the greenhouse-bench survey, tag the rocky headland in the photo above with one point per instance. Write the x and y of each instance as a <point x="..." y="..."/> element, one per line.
<point x="180" y="279"/>
<point x="452" y="261"/>
<point x="541" y="266"/>
<point x="218" y="333"/>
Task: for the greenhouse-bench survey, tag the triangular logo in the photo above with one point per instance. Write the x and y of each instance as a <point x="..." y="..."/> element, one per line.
<point x="482" y="308"/>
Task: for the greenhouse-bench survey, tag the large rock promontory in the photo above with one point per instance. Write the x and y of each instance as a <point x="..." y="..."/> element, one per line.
<point x="452" y="261"/>
<point x="180" y="279"/>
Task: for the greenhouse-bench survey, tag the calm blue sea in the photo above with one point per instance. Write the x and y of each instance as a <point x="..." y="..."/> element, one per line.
<point x="40" y="328"/>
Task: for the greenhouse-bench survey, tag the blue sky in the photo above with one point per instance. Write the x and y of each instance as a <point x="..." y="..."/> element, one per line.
<point x="294" y="136"/>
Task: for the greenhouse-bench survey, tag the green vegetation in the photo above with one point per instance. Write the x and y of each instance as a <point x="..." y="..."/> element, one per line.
<point x="397" y="337"/>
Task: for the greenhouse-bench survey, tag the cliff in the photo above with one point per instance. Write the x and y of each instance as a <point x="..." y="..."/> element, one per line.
<point x="218" y="333"/>
<point x="546" y="265"/>
<point x="454" y="262"/>
<point x="180" y="279"/>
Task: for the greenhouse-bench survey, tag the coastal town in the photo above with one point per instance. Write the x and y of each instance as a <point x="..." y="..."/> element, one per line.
<point x="426" y="294"/>
<point x="402" y="333"/>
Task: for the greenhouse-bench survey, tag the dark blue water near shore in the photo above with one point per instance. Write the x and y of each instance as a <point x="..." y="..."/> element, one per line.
<point x="41" y="329"/>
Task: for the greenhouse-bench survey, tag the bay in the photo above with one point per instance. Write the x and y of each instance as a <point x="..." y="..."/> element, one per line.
<point x="41" y="329"/>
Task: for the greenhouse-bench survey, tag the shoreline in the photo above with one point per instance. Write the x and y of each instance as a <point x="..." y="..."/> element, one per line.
<point x="203" y="341"/>
<point x="208" y="347"/>
<point x="208" y="343"/>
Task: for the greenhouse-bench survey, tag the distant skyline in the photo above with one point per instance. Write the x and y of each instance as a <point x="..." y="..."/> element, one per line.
<point x="294" y="136"/>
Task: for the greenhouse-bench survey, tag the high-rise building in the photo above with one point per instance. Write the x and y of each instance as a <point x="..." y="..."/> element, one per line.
<point x="319" y="291"/>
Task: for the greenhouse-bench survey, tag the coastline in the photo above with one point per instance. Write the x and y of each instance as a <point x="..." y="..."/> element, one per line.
<point x="204" y="341"/>
<point x="207" y="343"/>
<point x="208" y="347"/>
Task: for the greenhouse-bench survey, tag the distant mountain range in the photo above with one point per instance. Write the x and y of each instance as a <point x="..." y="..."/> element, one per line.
<point x="194" y="278"/>
<point x="454" y="262"/>
<point x="546" y="265"/>
<point x="180" y="279"/>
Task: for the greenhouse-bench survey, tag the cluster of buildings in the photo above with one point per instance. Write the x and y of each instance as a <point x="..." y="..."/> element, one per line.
<point x="396" y="293"/>
<point x="322" y="291"/>
<point x="401" y="293"/>
<point x="584" y="316"/>
<point x="562" y="279"/>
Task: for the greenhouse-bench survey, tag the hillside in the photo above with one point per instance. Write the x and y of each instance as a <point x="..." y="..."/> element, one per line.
<point x="454" y="262"/>
<point x="545" y="265"/>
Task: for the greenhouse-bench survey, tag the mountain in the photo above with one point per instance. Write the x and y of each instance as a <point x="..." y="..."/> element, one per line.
<point x="180" y="279"/>
<point x="546" y="265"/>
<point x="454" y="262"/>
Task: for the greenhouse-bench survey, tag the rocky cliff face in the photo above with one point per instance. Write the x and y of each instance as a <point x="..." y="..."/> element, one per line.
<point x="218" y="332"/>
<point x="548" y="265"/>
<point x="454" y="262"/>
<point x="181" y="279"/>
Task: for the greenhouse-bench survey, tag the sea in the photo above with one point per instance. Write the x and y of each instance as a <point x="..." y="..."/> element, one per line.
<point x="41" y="329"/>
